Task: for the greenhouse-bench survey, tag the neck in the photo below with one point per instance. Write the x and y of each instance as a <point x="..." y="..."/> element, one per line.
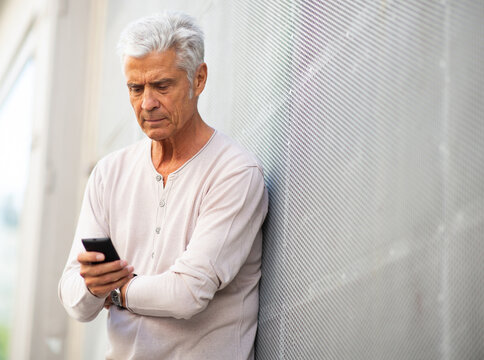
<point x="171" y="153"/>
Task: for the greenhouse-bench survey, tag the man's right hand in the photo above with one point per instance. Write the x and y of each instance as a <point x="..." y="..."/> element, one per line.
<point x="101" y="279"/>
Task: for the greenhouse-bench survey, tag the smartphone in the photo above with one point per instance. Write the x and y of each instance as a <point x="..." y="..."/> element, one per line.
<point x="102" y="245"/>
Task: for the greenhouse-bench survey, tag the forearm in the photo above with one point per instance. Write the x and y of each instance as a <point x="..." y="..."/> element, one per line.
<point x="169" y="294"/>
<point x="76" y="298"/>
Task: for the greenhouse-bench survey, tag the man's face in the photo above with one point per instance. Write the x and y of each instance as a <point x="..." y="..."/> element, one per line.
<point x="160" y="94"/>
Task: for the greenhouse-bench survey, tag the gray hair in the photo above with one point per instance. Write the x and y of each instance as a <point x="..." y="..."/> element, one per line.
<point x="161" y="32"/>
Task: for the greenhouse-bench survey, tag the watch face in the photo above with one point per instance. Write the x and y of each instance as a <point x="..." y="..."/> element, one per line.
<point x="116" y="298"/>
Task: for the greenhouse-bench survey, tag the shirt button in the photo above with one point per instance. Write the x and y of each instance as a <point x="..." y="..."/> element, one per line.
<point x="158" y="177"/>
<point x="158" y="230"/>
<point x="162" y="203"/>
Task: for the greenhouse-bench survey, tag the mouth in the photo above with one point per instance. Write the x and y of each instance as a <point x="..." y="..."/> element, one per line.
<point x="153" y="121"/>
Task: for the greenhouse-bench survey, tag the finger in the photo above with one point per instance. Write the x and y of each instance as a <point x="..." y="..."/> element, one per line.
<point x="105" y="290"/>
<point x="108" y="302"/>
<point x="88" y="257"/>
<point x="101" y="269"/>
<point x="107" y="278"/>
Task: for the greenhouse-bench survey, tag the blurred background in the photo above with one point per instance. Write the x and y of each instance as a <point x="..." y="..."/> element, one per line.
<point x="367" y="117"/>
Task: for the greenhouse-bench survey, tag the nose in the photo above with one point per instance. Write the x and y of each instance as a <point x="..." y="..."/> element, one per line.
<point x="149" y="101"/>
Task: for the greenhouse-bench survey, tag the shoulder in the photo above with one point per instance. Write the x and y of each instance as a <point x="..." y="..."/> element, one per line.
<point x="229" y="154"/>
<point x="123" y="159"/>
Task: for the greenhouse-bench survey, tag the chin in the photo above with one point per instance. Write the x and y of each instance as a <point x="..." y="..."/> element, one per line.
<point x="158" y="135"/>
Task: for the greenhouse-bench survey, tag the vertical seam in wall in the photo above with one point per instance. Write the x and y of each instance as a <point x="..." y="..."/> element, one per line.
<point x="444" y="154"/>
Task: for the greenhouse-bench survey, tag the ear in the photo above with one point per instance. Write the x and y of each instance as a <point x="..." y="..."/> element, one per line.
<point x="200" y="79"/>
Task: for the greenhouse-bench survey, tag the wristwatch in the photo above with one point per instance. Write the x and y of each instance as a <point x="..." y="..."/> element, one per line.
<point x="116" y="297"/>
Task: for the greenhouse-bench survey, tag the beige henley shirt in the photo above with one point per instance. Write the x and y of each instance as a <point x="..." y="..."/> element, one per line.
<point x="195" y="244"/>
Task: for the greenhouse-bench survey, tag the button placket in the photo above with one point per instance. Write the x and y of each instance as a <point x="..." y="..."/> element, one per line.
<point x="159" y="215"/>
<point x="163" y="190"/>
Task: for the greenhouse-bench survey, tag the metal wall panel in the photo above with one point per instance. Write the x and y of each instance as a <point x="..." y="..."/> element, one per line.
<point x="367" y="116"/>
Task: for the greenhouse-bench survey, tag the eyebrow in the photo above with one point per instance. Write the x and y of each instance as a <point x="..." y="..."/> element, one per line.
<point x="162" y="82"/>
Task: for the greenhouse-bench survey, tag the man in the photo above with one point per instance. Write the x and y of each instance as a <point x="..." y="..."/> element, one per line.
<point x="184" y="209"/>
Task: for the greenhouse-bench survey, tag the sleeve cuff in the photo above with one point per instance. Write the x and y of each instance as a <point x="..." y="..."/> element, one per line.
<point x="126" y="294"/>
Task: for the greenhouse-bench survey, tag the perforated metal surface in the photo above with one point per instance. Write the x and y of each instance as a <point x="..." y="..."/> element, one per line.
<point x="367" y="116"/>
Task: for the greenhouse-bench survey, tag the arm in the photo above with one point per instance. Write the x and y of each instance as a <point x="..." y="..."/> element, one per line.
<point x="84" y="285"/>
<point x="230" y="218"/>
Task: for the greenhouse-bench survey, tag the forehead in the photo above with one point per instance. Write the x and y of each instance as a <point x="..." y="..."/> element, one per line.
<point x="152" y="66"/>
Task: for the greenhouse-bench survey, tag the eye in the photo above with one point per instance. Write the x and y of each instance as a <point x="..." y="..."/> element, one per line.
<point x="135" y="90"/>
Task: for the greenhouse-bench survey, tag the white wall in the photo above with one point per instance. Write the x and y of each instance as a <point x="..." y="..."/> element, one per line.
<point x="52" y="33"/>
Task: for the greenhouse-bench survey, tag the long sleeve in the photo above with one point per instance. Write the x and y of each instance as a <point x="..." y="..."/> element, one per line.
<point x="229" y="221"/>
<point x="72" y="291"/>
<point x="195" y="241"/>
